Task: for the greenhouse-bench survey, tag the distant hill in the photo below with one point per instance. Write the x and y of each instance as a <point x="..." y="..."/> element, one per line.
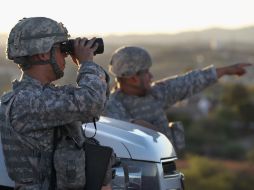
<point x="244" y="35"/>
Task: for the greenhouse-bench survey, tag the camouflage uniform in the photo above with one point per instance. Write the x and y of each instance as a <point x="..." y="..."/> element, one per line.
<point x="35" y="110"/>
<point x="163" y="94"/>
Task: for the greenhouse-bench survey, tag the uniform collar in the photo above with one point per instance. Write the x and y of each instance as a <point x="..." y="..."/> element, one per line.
<point x="26" y="82"/>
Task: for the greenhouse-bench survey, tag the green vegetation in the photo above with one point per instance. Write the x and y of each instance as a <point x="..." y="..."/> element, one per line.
<point x="204" y="173"/>
<point x="227" y="131"/>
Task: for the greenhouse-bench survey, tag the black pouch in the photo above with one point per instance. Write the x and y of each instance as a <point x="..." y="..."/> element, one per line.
<point x="97" y="162"/>
<point x="77" y="168"/>
<point x="79" y="165"/>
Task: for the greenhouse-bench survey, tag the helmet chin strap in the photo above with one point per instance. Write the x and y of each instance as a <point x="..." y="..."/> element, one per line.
<point x="58" y="72"/>
<point x="25" y="63"/>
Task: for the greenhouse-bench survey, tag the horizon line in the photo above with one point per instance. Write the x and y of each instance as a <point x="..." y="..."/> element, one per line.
<point x="109" y="34"/>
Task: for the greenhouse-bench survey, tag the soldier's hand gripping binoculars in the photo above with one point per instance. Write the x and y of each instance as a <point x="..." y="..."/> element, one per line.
<point x="68" y="46"/>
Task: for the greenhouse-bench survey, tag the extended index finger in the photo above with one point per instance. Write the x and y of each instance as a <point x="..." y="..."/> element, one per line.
<point x="244" y="64"/>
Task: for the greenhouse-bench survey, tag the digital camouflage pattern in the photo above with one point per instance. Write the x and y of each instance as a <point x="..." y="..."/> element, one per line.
<point x="36" y="110"/>
<point x="34" y="35"/>
<point x="127" y="61"/>
<point x="163" y="94"/>
<point x="69" y="158"/>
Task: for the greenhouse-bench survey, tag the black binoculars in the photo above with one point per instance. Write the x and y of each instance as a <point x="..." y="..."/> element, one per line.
<point x="68" y="46"/>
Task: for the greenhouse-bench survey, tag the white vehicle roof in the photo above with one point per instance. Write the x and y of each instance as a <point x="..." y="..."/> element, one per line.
<point x="131" y="141"/>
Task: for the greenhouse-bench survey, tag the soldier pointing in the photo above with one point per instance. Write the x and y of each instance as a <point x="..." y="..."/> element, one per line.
<point x="138" y="100"/>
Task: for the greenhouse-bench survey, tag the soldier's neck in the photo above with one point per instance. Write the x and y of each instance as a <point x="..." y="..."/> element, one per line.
<point x="40" y="73"/>
<point x="132" y="90"/>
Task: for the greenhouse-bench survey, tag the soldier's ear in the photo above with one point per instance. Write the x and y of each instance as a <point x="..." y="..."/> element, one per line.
<point x="130" y="80"/>
<point x="134" y="79"/>
<point x="44" y="56"/>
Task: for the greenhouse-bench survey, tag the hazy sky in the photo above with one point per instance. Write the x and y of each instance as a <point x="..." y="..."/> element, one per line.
<point x="103" y="17"/>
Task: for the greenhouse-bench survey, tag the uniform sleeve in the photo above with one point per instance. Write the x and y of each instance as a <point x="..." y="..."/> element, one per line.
<point x="54" y="106"/>
<point x="171" y="90"/>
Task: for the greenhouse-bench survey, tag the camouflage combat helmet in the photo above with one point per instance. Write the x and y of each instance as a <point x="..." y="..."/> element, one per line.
<point x="34" y="35"/>
<point x="128" y="61"/>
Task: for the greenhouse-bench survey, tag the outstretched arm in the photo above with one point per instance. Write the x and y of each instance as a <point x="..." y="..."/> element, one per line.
<point x="236" y="69"/>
